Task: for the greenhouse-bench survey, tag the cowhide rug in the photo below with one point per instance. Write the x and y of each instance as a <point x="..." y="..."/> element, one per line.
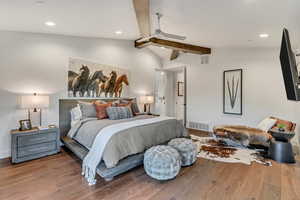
<point x="219" y="150"/>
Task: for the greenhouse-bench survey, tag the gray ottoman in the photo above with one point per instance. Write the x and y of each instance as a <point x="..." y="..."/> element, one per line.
<point x="162" y="162"/>
<point x="187" y="150"/>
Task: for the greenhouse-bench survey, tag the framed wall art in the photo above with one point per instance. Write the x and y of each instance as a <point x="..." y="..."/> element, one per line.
<point x="232" y="92"/>
<point x="180" y="88"/>
<point x="90" y="79"/>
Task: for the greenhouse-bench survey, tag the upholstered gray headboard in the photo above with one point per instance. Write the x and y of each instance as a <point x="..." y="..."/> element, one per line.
<point x="65" y="105"/>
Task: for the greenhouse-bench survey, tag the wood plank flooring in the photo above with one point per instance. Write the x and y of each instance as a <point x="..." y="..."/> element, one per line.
<point x="58" y="178"/>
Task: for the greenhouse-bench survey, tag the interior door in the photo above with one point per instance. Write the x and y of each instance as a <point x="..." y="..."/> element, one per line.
<point x="167" y="101"/>
<point x="160" y="92"/>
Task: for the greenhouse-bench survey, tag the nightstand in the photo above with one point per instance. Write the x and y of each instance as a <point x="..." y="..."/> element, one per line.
<point x="33" y="144"/>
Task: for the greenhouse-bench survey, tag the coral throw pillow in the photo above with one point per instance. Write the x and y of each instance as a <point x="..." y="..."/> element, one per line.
<point x="101" y="109"/>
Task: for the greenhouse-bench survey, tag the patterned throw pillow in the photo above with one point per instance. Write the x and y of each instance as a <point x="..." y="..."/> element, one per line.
<point x="115" y="113"/>
<point x="101" y="109"/>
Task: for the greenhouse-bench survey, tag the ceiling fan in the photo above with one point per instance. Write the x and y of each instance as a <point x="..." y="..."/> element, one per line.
<point x="159" y="32"/>
<point x="142" y="11"/>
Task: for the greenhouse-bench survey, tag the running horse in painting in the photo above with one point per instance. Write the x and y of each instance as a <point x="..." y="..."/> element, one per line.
<point x="119" y="85"/>
<point x="77" y="82"/>
<point x="109" y="85"/>
<point x="94" y="82"/>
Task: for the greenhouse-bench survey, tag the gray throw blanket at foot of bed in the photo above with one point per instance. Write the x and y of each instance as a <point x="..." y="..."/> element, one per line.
<point x="137" y="136"/>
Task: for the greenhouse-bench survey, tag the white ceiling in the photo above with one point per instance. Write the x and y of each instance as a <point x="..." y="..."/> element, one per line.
<point x="212" y="23"/>
<point x="230" y="22"/>
<point x="89" y="18"/>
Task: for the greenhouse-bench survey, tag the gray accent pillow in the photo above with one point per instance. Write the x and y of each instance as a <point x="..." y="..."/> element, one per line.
<point x="87" y="109"/>
<point x="115" y="113"/>
<point x="134" y="107"/>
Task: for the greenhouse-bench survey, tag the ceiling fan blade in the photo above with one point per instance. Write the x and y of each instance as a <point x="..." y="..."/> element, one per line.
<point x="174" y="54"/>
<point x="176" y="37"/>
<point x="142" y="12"/>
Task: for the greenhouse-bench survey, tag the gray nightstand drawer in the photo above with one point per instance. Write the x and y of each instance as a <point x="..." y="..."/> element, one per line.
<point x="35" y="149"/>
<point x="36" y="139"/>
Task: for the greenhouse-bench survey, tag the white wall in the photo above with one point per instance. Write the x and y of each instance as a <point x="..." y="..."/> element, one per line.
<point x="263" y="87"/>
<point x="39" y="62"/>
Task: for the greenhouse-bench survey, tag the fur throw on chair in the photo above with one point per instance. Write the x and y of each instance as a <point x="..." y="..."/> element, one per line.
<point x="243" y="135"/>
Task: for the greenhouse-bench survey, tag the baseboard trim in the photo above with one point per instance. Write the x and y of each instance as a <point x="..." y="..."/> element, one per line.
<point x="4" y="154"/>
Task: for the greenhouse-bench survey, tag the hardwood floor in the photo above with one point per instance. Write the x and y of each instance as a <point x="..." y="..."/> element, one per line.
<point x="58" y="178"/>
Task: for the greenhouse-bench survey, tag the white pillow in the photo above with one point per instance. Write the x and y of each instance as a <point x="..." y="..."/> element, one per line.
<point x="266" y="124"/>
<point x="76" y="115"/>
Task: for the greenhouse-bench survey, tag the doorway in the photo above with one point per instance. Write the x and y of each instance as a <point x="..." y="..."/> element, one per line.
<point x="170" y="93"/>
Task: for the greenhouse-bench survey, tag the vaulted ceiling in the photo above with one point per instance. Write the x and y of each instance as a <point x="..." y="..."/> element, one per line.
<point x="212" y="23"/>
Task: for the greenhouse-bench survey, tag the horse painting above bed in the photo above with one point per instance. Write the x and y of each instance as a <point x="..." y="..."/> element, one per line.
<point x="89" y="79"/>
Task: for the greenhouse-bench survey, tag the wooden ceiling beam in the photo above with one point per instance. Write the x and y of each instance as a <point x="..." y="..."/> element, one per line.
<point x="174" y="54"/>
<point x="188" y="48"/>
<point x="142" y="11"/>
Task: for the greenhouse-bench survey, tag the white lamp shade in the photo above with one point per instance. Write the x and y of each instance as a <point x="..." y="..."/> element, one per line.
<point x="34" y="101"/>
<point x="147" y="99"/>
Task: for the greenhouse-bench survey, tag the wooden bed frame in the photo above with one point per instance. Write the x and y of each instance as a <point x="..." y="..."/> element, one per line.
<point x="65" y="105"/>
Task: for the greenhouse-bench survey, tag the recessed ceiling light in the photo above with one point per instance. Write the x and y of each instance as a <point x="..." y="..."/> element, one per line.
<point x="264" y="35"/>
<point x="118" y="32"/>
<point x="50" y="23"/>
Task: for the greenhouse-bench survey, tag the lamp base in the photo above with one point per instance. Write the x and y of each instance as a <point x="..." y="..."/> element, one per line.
<point x="35" y="116"/>
<point x="147" y="110"/>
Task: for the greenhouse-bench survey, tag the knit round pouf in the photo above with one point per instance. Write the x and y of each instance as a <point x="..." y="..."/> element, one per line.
<point x="187" y="150"/>
<point x="162" y="162"/>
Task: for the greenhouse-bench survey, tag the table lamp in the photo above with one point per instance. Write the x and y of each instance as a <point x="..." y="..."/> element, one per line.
<point x="35" y="102"/>
<point x="147" y="100"/>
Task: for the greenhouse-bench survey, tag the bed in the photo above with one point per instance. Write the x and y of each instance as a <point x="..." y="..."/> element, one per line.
<point x="81" y="150"/>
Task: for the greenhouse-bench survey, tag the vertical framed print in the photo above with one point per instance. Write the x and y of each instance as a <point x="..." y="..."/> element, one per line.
<point x="232" y="92"/>
<point x="180" y="88"/>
